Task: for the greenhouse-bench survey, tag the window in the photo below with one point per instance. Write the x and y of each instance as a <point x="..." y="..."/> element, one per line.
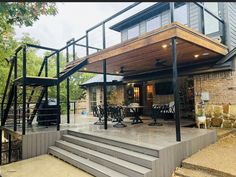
<point x="181" y="14"/>
<point x="112" y="96"/>
<point x="92" y="97"/>
<point x="133" y="32"/>
<point x="211" y="24"/>
<point x="153" y="23"/>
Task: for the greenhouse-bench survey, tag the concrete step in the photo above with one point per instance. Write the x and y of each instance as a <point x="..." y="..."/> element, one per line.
<point x="132" y="147"/>
<point x="121" y="153"/>
<point x="211" y="171"/>
<point x="108" y="161"/>
<point x="184" y="172"/>
<point x="84" y="164"/>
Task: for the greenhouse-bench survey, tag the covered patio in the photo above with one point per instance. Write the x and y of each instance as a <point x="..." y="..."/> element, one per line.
<point x="178" y="47"/>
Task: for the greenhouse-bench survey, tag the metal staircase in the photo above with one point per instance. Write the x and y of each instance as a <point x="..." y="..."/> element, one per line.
<point x="23" y="96"/>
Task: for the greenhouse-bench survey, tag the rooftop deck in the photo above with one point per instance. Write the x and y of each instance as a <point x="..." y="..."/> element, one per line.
<point x="140" y="54"/>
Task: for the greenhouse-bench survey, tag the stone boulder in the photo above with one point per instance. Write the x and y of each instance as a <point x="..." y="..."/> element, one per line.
<point x="234" y="125"/>
<point x="227" y="124"/>
<point x="216" y="122"/>
<point x="208" y="122"/>
<point x="232" y="117"/>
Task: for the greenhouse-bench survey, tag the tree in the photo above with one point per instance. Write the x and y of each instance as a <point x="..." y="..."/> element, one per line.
<point x="20" y="13"/>
<point x="17" y="13"/>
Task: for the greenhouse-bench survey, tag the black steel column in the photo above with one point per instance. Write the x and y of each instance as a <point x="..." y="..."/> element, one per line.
<point x="176" y="89"/>
<point x="24" y="92"/>
<point x="46" y="75"/>
<point x="68" y="86"/>
<point x="0" y="146"/>
<point x="9" y="148"/>
<point x="175" y="78"/>
<point x="104" y="78"/>
<point x="58" y="92"/>
<point x="15" y="94"/>
<point x="202" y="19"/>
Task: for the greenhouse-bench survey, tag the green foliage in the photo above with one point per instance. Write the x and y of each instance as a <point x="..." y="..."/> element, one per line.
<point x="24" y="13"/>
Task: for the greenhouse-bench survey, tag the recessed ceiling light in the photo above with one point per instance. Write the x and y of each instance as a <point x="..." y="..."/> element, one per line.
<point x="196" y="56"/>
<point x="205" y="54"/>
<point x="85" y="69"/>
<point x="164" y="46"/>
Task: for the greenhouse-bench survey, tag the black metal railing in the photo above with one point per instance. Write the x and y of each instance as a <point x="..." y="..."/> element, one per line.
<point x="73" y="43"/>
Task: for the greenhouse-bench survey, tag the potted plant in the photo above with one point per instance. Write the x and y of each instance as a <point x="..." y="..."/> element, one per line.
<point x="200" y="118"/>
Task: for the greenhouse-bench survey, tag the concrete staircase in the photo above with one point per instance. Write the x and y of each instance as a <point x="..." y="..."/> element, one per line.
<point x="105" y="157"/>
<point x="191" y="170"/>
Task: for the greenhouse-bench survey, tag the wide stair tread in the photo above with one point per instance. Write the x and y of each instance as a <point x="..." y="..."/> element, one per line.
<point x="85" y="164"/>
<point x="100" y="157"/>
<point x="112" y="150"/>
<point x="185" y="172"/>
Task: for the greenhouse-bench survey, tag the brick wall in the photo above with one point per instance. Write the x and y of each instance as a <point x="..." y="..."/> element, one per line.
<point x="221" y="108"/>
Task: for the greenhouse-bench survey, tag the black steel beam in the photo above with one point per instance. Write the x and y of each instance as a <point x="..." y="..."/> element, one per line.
<point x="41" y="47"/>
<point x="46" y="75"/>
<point x="73" y="70"/>
<point x="24" y="91"/>
<point x="5" y="91"/>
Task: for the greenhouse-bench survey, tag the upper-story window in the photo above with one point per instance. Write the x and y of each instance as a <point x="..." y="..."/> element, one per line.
<point x="153" y="23"/>
<point x="133" y="32"/>
<point x="181" y="14"/>
<point x="211" y="24"/>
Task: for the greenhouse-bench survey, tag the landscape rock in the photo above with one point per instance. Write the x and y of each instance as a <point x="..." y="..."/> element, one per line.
<point x="227" y="124"/>
<point x="216" y="122"/>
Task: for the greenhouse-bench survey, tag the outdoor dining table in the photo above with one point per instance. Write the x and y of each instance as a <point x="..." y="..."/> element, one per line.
<point x="135" y="110"/>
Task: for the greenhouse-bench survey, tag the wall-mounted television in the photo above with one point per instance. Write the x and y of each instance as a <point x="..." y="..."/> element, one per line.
<point x="164" y="88"/>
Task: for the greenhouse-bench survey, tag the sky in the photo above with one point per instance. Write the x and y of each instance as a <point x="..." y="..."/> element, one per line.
<point x="71" y="21"/>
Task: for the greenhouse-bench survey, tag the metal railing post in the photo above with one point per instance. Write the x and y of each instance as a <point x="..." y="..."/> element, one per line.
<point x="68" y="85"/>
<point x="24" y="91"/>
<point x="58" y="91"/>
<point x="87" y="43"/>
<point x="46" y="75"/>
<point x="9" y="148"/>
<point x="15" y="95"/>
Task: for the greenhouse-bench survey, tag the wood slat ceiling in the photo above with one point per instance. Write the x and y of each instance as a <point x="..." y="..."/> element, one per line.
<point x="141" y="53"/>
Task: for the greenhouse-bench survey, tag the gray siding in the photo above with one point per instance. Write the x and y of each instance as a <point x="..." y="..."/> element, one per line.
<point x="124" y="35"/>
<point x="165" y="19"/>
<point x="194" y="16"/>
<point x="230" y="18"/>
<point x="142" y="27"/>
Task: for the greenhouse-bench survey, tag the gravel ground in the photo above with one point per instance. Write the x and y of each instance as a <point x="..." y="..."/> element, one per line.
<point x="219" y="157"/>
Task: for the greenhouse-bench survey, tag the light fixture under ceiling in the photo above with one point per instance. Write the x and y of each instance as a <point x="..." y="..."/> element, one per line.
<point x="164" y="46"/>
<point x="205" y="54"/>
<point x="196" y="56"/>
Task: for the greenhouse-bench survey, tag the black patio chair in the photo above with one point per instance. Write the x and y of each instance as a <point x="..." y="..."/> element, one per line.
<point x="119" y="116"/>
<point x="100" y="113"/>
<point x="155" y="114"/>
